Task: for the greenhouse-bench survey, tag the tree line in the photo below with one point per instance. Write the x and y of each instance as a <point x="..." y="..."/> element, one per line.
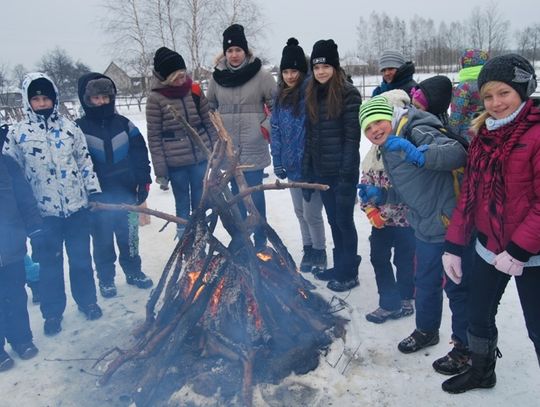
<point x="437" y="48"/>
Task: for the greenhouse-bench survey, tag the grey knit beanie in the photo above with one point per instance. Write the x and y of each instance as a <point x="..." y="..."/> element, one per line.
<point x="391" y="59"/>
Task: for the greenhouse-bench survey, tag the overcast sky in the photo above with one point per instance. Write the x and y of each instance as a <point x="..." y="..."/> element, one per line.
<point x="29" y="28"/>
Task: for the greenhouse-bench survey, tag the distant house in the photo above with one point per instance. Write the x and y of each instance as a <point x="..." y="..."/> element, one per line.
<point x="125" y="83"/>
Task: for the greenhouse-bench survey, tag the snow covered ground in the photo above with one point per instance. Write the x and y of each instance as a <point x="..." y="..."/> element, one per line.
<point x="366" y="370"/>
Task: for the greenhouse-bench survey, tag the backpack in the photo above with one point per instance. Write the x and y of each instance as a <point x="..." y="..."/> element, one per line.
<point x="457" y="174"/>
<point x="196" y="95"/>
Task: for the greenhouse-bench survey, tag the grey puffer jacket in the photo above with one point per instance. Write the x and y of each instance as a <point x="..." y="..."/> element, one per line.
<point x="242" y="110"/>
<point x="168" y="141"/>
<point x="427" y="191"/>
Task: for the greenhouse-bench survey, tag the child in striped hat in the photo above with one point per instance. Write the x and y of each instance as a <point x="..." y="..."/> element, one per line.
<point x="419" y="160"/>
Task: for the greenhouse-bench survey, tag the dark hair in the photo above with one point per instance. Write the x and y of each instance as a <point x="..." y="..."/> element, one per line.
<point x="334" y="96"/>
<point x="290" y="96"/>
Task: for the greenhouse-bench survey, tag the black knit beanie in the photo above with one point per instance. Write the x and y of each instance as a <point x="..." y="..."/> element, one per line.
<point x="325" y="52"/>
<point x="293" y="57"/>
<point x="167" y="61"/>
<point x="41" y="86"/>
<point x="512" y="69"/>
<point x="234" y="36"/>
<point x="438" y="92"/>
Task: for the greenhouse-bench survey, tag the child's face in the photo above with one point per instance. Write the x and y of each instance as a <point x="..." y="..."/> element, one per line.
<point x="388" y="74"/>
<point x="378" y="131"/>
<point x="235" y="56"/>
<point x="290" y="76"/>
<point x="100" y="100"/>
<point x="418" y="105"/>
<point x="500" y="100"/>
<point x="41" y="102"/>
<point x="178" y="77"/>
<point x="323" y="73"/>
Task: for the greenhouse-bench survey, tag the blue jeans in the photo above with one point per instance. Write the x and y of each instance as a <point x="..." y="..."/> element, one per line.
<point x="74" y="231"/>
<point x="429" y="286"/>
<point x="401" y="287"/>
<point x="254" y="178"/>
<point x="106" y="225"/>
<point x="187" y="186"/>
<point x="14" y="321"/>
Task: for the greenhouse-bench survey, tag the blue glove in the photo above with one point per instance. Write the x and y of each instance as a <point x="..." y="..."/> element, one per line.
<point x="371" y="194"/>
<point x="280" y="172"/>
<point x="413" y="154"/>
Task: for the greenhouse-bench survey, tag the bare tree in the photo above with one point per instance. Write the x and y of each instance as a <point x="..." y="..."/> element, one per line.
<point x="496" y="29"/>
<point x="17" y="75"/>
<point x="476" y="23"/>
<point x="4" y="84"/>
<point x="127" y="26"/>
<point x="63" y="71"/>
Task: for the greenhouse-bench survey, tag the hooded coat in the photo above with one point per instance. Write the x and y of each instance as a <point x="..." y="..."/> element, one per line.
<point x="117" y="148"/>
<point x="428" y="191"/>
<point x="54" y="157"/>
<point x="402" y="80"/>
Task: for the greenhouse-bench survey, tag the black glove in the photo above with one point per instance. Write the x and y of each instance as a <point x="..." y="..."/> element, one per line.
<point x="39" y="242"/>
<point x="280" y="172"/>
<point x="142" y="193"/>
<point x="306" y="193"/>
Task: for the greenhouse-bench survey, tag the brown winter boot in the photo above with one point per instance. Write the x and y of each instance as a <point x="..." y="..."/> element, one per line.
<point x="481" y="375"/>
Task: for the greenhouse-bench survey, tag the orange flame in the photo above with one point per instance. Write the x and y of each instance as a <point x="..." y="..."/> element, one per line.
<point x="192" y="277"/>
<point x="214" y="301"/>
<point x="253" y="310"/>
<point x="264" y="257"/>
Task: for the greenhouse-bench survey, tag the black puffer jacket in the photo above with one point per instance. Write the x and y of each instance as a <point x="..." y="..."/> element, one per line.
<point x="332" y="145"/>
<point x="20" y="215"/>
<point x="117" y="148"/>
<point x="402" y="80"/>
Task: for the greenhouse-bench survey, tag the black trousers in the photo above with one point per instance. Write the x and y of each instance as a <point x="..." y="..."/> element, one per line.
<point x="487" y="285"/>
<point x="14" y="322"/>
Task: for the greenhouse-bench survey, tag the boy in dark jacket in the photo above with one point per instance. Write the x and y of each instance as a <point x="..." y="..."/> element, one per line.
<point x="419" y="160"/>
<point x="120" y="158"/>
<point x="20" y="217"/>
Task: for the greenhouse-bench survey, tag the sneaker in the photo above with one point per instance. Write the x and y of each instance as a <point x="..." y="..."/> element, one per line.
<point x="6" y="362"/>
<point x="140" y="280"/>
<point x="340" y="286"/>
<point x="318" y="264"/>
<point x="407" y="308"/>
<point x="52" y="326"/>
<point x="107" y="289"/>
<point x="25" y="350"/>
<point x="92" y="311"/>
<point x="455" y="362"/>
<point x="381" y="315"/>
<point x="418" y="340"/>
<point x="305" y="264"/>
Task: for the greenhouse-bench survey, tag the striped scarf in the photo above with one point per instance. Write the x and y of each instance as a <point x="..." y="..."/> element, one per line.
<point x="486" y="166"/>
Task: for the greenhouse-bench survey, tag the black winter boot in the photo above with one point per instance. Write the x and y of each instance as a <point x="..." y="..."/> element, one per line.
<point x="350" y="269"/>
<point x="481" y="375"/>
<point x="318" y="261"/>
<point x="455" y="362"/>
<point x="305" y="264"/>
<point x="331" y="273"/>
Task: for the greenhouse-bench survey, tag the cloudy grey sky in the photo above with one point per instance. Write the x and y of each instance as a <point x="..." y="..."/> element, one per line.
<point x="29" y="28"/>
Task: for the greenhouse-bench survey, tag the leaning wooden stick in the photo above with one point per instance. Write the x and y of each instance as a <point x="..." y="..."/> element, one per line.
<point x="132" y="208"/>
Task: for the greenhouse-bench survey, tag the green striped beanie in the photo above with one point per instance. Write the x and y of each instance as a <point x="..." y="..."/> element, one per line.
<point x="377" y="108"/>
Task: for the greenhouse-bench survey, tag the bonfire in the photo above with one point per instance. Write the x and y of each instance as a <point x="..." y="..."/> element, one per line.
<point x="224" y="317"/>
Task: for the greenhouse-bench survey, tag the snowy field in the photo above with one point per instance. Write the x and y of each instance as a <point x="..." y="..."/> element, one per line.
<point x="366" y="370"/>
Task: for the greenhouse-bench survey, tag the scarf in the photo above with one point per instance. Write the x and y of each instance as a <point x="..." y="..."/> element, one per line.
<point x="470" y="74"/>
<point x="176" y="92"/>
<point x="231" y="79"/>
<point x="488" y="154"/>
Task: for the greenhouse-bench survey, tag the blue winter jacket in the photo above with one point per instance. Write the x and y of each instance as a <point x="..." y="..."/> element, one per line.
<point x="288" y="137"/>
